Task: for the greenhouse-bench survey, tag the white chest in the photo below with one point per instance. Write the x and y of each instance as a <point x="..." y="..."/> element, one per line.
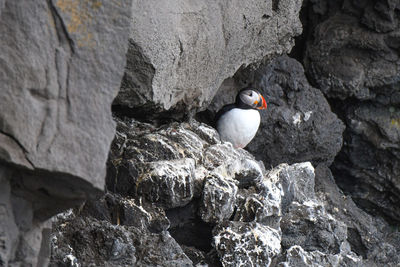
<point x="239" y="126"/>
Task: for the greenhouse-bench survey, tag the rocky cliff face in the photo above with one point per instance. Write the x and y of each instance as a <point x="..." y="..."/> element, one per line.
<point x="353" y="57"/>
<point x="318" y="186"/>
<point x="180" y="53"/>
<point x="59" y="72"/>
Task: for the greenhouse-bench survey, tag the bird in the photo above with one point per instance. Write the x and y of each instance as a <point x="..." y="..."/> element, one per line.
<point x="238" y="122"/>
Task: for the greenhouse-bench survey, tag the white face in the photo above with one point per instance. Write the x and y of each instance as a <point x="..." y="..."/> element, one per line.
<point x="250" y="97"/>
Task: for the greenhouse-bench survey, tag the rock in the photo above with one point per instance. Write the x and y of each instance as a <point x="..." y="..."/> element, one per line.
<point x="298" y="125"/>
<point x="218" y="199"/>
<point x="346" y="59"/>
<point x="87" y="241"/>
<point x="234" y="211"/>
<point x="311" y="227"/>
<point x="178" y="60"/>
<point x="364" y="230"/>
<point x="297" y="257"/>
<point x="369" y="236"/>
<point x="261" y="200"/>
<point x="129" y="212"/>
<point x="369" y="166"/>
<point x="167" y="183"/>
<point x="173" y="161"/>
<point x="304" y="220"/>
<point x="45" y="116"/>
<point x="387" y="253"/>
<point x="240" y="243"/>
<point x="353" y="57"/>
<point x="59" y="73"/>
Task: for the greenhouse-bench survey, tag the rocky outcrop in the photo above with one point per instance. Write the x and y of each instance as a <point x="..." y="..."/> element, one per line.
<point x="179" y="53"/>
<point x="234" y="211"/>
<point x="175" y="194"/>
<point x="298" y="125"/>
<point x="59" y="72"/>
<point x="352" y="55"/>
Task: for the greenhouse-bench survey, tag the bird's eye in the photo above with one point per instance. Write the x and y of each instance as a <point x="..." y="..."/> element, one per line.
<point x="251" y="93"/>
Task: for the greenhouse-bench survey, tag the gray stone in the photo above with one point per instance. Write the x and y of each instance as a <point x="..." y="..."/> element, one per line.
<point x="87" y="241"/>
<point x="346" y="59"/>
<point x="147" y="161"/>
<point x="261" y="200"/>
<point x="369" y="236"/>
<point x="309" y="225"/>
<point x="59" y="72"/>
<point x="305" y="221"/>
<point x="241" y="243"/>
<point x="218" y="198"/>
<point x="296" y="256"/>
<point x="167" y="183"/>
<point x="129" y="212"/>
<point x="364" y="230"/>
<point x="57" y="88"/>
<point x="180" y="52"/>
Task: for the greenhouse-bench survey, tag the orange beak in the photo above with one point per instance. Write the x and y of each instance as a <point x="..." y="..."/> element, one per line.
<point x="262" y="104"/>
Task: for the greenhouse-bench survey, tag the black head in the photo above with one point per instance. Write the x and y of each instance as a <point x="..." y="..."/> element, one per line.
<point x="249" y="98"/>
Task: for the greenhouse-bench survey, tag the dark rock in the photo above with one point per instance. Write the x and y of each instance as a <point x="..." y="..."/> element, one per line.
<point x="298" y="125"/>
<point x="87" y="241"/>
<point x="185" y="223"/>
<point x="387" y="253"/>
<point x="353" y="57"/>
<point x="261" y="201"/>
<point x="308" y="225"/>
<point x="241" y="243"/>
<point x="345" y="59"/>
<point x="129" y="212"/>
<point x="364" y="231"/>
<point x="369" y="236"/>
<point x="369" y="165"/>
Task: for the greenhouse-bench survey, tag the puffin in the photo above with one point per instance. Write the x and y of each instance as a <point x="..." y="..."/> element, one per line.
<point x="238" y="122"/>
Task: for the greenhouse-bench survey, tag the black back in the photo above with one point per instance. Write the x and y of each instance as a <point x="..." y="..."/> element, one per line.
<point x="238" y="104"/>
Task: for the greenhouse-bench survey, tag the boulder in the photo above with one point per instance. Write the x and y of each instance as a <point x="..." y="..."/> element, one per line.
<point x="240" y="243"/>
<point x="298" y="125"/>
<point x="228" y="209"/>
<point x="59" y="73"/>
<point x="179" y="53"/>
<point x="85" y="241"/>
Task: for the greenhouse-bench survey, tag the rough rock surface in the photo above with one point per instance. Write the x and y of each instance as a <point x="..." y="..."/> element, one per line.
<point x="367" y="234"/>
<point x="354" y="52"/>
<point x="241" y="244"/>
<point x="238" y="211"/>
<point x="179" y="53"/>
<point x="131" y="240"/>
<point x="59" y="73"/>
<point x="353" y="56"/>
<point x="298" y="125"/>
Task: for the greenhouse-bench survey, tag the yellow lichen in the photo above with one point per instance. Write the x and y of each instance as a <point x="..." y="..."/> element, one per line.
<point x="79" y="15"/>
<point x="396" y="122"/>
